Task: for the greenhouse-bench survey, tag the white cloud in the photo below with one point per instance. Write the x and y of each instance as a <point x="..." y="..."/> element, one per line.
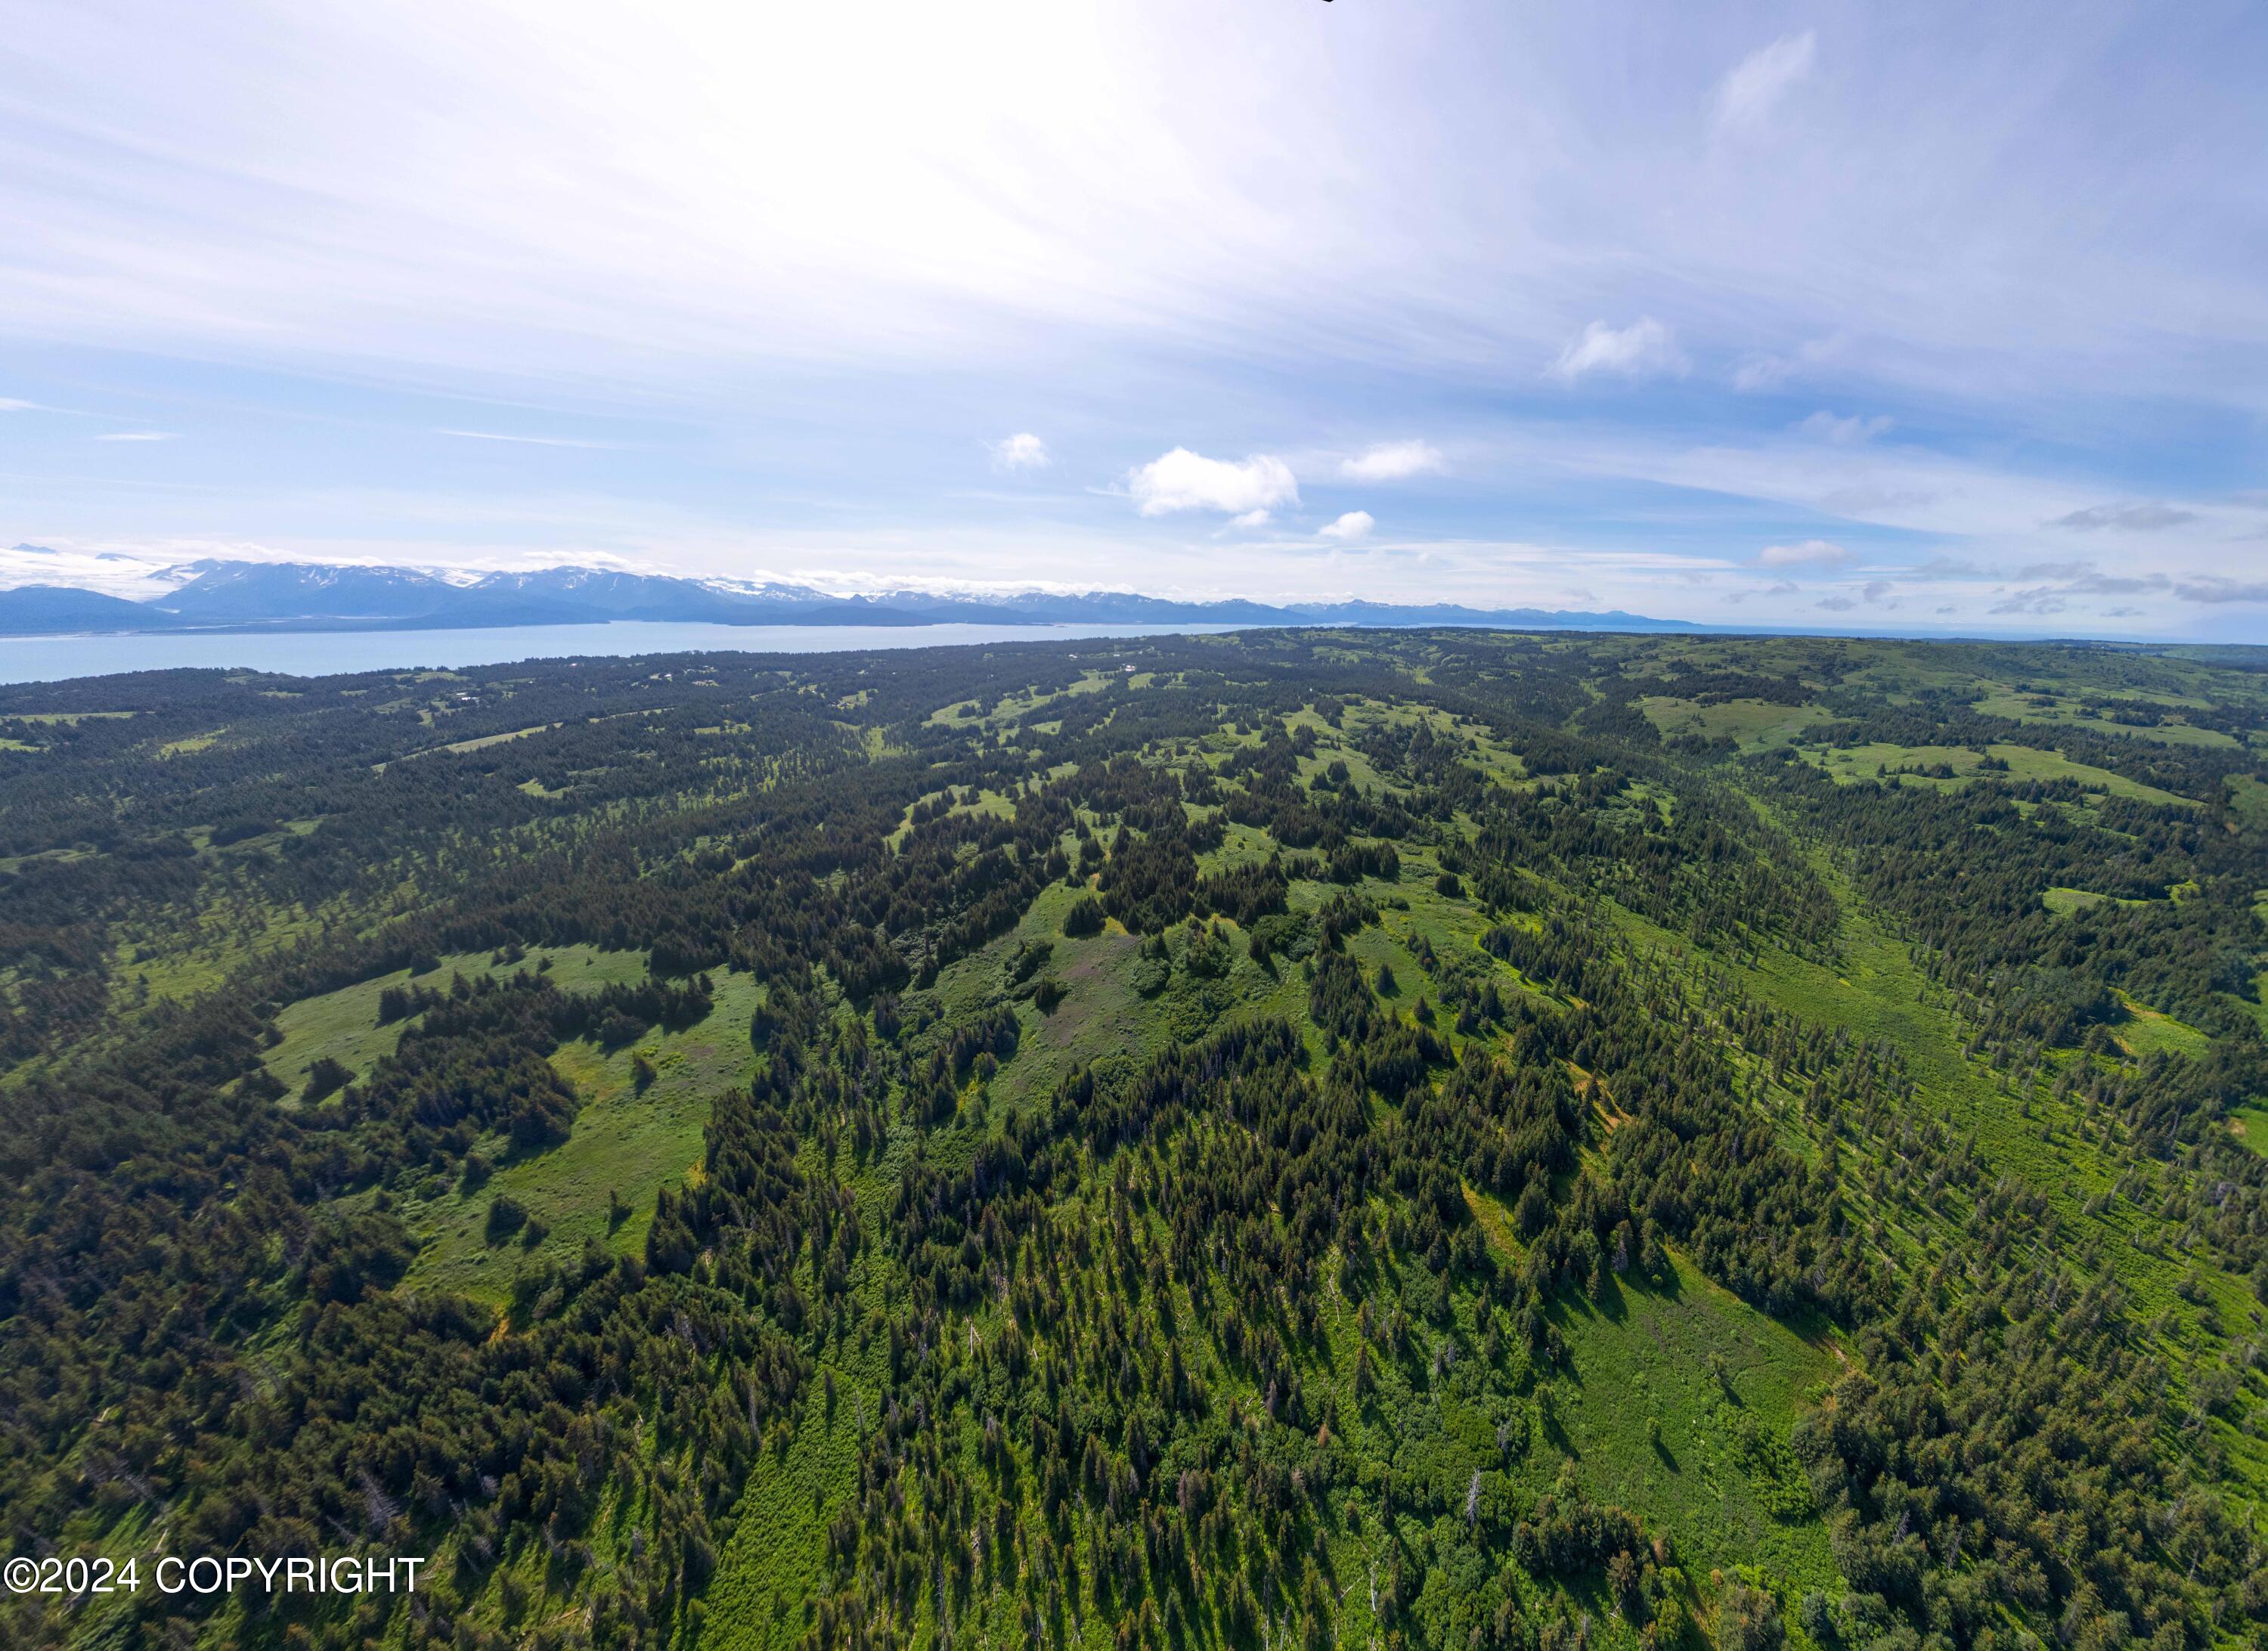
<point x="2148" y="517"/>
<point x="1182" y="480"/>
<point x="1356" y="524"/>
<point x="1848" y="432"/>
<point x="1641" y="350"/>
<point x="1747" y="97"/>
<point x="1812" y="553"/>
<point x="1393" y="461"/>
<point x="1760" y="373"/>
<point x="10" y="404"/>
<point x="530" y="441"/>
<point x="140" y="435"/>
<point x="1251" y="518"/>
<point x="1022" y="451"/>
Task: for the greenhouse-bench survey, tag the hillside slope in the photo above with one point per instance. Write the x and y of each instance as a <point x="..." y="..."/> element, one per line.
<point x="1433" y="1139"/>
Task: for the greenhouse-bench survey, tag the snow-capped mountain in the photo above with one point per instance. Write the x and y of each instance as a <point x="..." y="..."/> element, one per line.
<point x="56" y="592"/>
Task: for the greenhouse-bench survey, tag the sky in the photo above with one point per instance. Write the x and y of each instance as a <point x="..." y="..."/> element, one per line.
<point x="1918" y="318"/>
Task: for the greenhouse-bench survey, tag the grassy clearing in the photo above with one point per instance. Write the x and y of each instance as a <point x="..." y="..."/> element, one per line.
<point x="625" y="1145"/>
<point x="1850" y="764"/>
<point x="2067" y="710"/>
<point x="2146" y="1031"/>
<point x="1715" y="1483"/>
<point x="460" y="747"/>
<point x="2064" y="901"/>
<point x="2247" y="802"/>
<point x="344" y="1024"/>
<point x="996" y="803"/>
<point x="1754" y="724"/>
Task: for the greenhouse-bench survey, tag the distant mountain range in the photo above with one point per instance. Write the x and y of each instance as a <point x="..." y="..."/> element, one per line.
<point x="283" y="596"/>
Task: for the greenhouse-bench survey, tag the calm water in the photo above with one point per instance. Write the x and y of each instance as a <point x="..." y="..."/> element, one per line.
<point x="318" y="653"/>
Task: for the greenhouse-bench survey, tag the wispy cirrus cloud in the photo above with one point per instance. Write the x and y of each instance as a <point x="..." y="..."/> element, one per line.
<point x="1847" y="430"/>
<point x="523" y="441"/>
<point x="1644" y="348"/>
<point x="1629" y="342"/>
<point x="2147" y="517"/>
<point x="1747" y="97"/>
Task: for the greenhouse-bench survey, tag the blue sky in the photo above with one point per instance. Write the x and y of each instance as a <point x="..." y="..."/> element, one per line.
<point x="1915" y="318"/>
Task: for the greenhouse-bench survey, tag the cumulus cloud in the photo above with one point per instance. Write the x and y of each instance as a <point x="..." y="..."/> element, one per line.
<point x="1356" y="524"/>
<point x="2147" y="517"/>
<point x="1022" y="451"/>
<point x="1644" y="349"/>
<point x="1812" y="553"/>
<point x="1251" y="518"/>
<point x="1182" y="480"/>
<point x="1747" y="97"/>
<point x="1845" y="432"/>
<point x="1393" y="461"/>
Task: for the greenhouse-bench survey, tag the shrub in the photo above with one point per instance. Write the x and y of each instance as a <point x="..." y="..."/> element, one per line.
<point x="325" y="1078"/>
<point x="506" y="1216"/>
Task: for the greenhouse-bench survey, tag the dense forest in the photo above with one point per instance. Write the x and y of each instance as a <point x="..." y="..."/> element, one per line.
<point x="1436" y="1140"/>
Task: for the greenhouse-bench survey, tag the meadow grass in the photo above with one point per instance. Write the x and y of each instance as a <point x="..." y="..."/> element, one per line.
<point x="626" y="1144"/>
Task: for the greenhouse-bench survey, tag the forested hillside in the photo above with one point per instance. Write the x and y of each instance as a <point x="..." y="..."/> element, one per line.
<point x="1428" y="1140"/>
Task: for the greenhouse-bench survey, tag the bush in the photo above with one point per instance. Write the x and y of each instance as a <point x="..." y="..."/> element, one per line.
<point x="1748" y="1619"/>
<point x="1049" y="993"/>
<point x="1208" y="955"/>
<point x="325" y="1078"/>
<point x="1283" y="935"/>
<point x="506" y="1216"/>
<point x="619" y="1029"/>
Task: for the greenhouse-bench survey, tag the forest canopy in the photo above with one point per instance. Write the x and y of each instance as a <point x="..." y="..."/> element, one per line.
<point x="1418" y="1139"/>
